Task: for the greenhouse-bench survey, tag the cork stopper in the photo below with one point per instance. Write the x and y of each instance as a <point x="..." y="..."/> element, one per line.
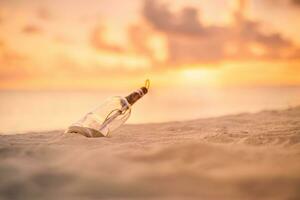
<point x="136" y="95"/>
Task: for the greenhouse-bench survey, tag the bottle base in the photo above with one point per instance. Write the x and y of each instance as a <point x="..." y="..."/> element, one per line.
<point x="88" y="132"/>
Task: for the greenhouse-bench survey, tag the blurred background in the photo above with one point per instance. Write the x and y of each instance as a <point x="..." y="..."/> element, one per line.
<point x="61" y="58"/>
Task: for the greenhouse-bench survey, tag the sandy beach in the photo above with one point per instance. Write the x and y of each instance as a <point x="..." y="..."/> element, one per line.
<point x="244" y="156"/>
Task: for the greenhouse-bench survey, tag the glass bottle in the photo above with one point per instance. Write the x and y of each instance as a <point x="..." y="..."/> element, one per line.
<point x="109" y="116"/>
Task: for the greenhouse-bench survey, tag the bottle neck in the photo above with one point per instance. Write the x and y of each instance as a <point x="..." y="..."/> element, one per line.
<point x="136" y="95"/>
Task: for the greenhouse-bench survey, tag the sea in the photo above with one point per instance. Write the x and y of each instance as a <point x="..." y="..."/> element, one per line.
<point x="33" y="111"/>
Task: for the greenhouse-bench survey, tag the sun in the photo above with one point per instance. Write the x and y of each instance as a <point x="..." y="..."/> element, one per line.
<point x="199" y="77"/>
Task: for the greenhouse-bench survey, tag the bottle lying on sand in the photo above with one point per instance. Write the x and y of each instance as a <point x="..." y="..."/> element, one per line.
<point x="109" y="116"/>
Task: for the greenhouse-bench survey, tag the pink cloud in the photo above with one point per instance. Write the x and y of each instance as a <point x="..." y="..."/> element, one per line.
<point x="191" y="42"/>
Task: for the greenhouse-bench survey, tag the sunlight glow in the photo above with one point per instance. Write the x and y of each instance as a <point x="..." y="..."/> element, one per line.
<point x="200" y="77"/>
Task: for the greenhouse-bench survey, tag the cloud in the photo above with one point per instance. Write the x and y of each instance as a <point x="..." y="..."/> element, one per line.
<point x="99" y="42"/>
<point x="11" y="63"/>
<point x="44" y="14"/>
<point x="296" y="2"/>
<point x="7" y="55"/>
<point x="163" y="20"/>
<point x="32" y="29"/>
<point x="1" y="45"/>
<point x="137" y="36"/>
<point x="281" y="3"/>
<point x="192" y="42"/>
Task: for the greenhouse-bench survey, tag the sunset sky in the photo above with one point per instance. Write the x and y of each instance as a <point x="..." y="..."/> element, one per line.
<point x="104" y="44"/>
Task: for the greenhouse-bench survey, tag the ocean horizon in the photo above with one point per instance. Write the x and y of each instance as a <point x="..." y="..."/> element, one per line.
<point x="30" y="111"/>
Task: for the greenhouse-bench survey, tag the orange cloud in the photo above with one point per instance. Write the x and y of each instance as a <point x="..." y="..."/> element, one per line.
<point x="9" y="56"/>
<point x="11" y="65"/>
<point x="145" y="42"/>
<point x="31" y="29"/>
<point x="138" y="36"/>
<point x="44" y="13"/>
<point x="99" y="42"/>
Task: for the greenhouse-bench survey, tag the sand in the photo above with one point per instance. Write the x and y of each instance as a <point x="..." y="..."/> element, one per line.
<point x="245" y="156"/>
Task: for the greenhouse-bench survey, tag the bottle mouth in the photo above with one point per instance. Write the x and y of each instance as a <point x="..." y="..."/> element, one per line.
<point x="136" y="95"/>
